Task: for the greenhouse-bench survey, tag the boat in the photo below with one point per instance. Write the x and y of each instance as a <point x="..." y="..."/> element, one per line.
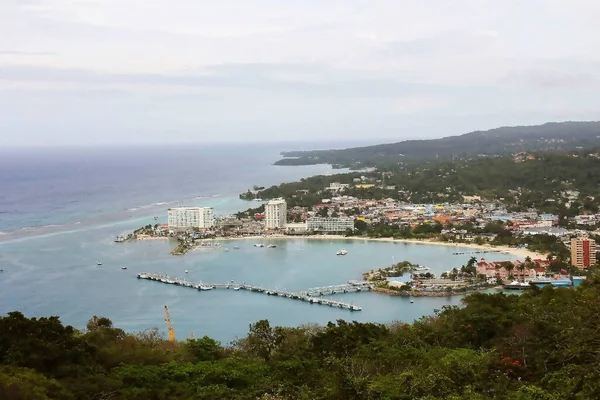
<point x="271" y="246"/>
<point x="421" y="268"/>
<point x="412" y="301"/>
<point x="98" y="263"/>
<point x="236" y="247"/>
<point x="516" y="285"/>
<point x="236" y="288"/>
<point x="226" y="249"/>
<point x="205" y="287"/>
<point x="259" y="245"/>
<point x="341" y="252"/>
<point x="186" y="271"/>
<point x="124" y="267"/>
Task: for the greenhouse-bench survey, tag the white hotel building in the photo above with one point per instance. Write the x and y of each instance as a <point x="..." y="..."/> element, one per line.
<point x="329" y="224"/>
<point x="276" y="214"/>
<point x="191" y="217"/>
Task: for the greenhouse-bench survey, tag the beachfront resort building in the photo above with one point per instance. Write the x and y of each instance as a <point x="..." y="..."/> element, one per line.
<point x="276" y="214"/>
<point x="330" y="224"/>
<point x="191" y="217"/>
<point x="583" y="253"/>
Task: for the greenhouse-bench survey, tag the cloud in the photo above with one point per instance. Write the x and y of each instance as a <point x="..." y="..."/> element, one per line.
<point x="25" y="53"/>
<point x="552" y="79"/>
<point x="300" y="78"/>
<point x="300" y="67"/>
<point x="453" y="42"/>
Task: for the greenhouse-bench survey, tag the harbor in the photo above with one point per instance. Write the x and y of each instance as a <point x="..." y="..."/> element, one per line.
<point x="309" y="296"/>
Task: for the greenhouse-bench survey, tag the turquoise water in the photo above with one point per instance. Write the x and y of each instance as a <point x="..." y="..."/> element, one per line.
<point x="57" y="275"/>
<point x="61" y="209"/>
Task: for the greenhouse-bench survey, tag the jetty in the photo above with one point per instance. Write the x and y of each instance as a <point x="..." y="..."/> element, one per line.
<point x="308" y="296"/>
<point x="351" y="286"/>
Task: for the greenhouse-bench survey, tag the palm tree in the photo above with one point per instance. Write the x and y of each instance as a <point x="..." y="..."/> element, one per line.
<point x="522" y="268"/>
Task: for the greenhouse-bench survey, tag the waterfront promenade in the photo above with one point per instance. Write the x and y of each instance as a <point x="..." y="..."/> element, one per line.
<point x="309" y="295"/>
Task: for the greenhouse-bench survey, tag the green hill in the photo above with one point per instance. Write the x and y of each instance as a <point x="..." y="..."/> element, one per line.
<point x="501" y="141"/>
<point x="542" y="345"/>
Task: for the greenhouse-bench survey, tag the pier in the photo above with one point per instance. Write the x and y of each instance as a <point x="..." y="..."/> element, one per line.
<point x="308" y="296"/>
<point x="351" y="286"/>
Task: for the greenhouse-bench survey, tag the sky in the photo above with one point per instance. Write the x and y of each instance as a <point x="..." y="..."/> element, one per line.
<point x="90" y="72"/>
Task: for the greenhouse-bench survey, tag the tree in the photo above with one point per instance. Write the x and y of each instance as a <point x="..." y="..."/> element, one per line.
<point x="204" y="349"/>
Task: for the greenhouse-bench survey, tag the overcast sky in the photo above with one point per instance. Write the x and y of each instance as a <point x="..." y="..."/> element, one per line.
<point x="127" y="71"/>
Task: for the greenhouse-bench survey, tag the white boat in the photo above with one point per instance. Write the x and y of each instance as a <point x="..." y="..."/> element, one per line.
<point x="271" y="246"/>
<point x="412" y="301"/>
<point x="422" y="268"/>
<point x="236" y="288"/>
<point x="259" y="245"/>
<point x="124" y="267"/>
<point x="341" y="252"/>
<point x="98" y="263"/>
<point x="226" y="249"/>
<point x="186" y="271"/>
<point x="204" y="287"/>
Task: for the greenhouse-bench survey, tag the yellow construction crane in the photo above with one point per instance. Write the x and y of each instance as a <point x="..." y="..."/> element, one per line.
<point x="169" y="325"/>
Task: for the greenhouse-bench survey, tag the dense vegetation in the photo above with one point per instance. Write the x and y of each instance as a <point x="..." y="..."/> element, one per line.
<point x="536" y="183"/>
<point x="543" y="345"/>
<point x="500" y="141"/>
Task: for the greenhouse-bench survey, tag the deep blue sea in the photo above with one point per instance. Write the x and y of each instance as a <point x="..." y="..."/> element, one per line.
<point x="60" y="210"/>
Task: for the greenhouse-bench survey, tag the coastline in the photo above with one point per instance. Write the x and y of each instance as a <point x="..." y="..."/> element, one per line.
<point x="511" y="250"/>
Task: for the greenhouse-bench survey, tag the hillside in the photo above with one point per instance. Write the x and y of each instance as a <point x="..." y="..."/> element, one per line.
<point x="536" y="180"/>
<point x="542" y="345"/>
<point x="500" y="141"/>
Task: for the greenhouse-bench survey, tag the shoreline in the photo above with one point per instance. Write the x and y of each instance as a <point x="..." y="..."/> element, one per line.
<point x="496" y="249"/>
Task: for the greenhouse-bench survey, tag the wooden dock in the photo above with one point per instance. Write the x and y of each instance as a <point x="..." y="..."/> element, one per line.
<point x="307" y="296"/>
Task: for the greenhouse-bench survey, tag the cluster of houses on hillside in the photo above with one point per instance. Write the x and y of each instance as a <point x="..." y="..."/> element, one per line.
<point x="523" y="271"/>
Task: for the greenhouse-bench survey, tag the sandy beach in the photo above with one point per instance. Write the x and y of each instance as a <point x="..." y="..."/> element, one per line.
<point x="523" y="253"/>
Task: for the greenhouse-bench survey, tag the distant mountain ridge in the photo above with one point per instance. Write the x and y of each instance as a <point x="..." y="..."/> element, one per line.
<point x="552" y="136"/>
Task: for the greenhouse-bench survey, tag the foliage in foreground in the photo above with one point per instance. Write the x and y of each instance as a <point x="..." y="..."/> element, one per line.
<point x="543" y="345"/>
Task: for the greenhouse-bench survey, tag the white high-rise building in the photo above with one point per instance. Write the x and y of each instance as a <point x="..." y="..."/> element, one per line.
<point x="191" y="217"/>
<point x="330" y="224"/>
<point x="276" y="214"/>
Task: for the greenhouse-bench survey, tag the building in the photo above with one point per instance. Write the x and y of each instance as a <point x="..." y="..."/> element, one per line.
<point x="583" y="253"/>
<point x="191" y="217"/>
<point x="336" y="186"/>
<point x="276" y="214"/>
<point x="329" y="224"/>
<point x="296" y="228"/>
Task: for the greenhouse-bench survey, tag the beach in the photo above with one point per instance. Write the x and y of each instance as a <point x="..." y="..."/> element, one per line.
<point x="523" y="253"/>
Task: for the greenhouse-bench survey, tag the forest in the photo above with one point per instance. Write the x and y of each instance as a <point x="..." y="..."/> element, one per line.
<point x="542" y="345"/>
<point x="502" y="141"/>
<point x="520" y="184"/>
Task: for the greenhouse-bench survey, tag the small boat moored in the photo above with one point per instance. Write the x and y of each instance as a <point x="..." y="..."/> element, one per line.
<point x="516" y="285"/>
<point x="98" y="263"/>
<point x="124" y="267"/>
<point x="271" y="246"/>
<point x="341" y="252"/>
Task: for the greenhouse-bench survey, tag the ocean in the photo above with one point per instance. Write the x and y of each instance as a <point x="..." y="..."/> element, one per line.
<point x="60" y="211"/>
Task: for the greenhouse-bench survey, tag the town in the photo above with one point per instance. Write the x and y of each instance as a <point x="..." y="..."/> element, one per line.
<point x="564" y="252"/>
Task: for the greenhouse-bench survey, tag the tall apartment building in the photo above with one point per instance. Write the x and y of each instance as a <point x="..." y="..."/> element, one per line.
<point x="275" y="214"/>
<point x="191" y="217"/>
<point x="583" y="253"/>
<point x="329" y="224"/>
